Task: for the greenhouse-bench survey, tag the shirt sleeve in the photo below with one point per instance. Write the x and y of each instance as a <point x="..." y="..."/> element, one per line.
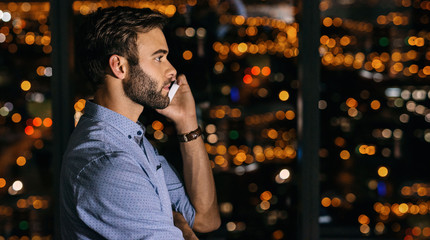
<point x="116" y="199"/>
<point x="180" y="201"/>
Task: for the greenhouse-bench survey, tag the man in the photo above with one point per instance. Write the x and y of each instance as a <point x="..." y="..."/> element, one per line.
<point x="114" y="184"/>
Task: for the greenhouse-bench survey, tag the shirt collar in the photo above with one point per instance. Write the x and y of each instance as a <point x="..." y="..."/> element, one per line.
<point x="131" y="130"/>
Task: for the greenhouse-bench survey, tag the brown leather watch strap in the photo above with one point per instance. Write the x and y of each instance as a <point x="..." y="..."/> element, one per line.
<point x="190" y="136"/>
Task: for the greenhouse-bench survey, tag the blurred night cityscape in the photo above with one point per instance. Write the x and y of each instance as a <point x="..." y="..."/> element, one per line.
<point x="241" y="59"/>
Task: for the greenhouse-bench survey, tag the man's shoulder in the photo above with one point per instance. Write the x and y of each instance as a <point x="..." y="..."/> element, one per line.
<point x="95" y="135"/>
<point x="96" y="142"/>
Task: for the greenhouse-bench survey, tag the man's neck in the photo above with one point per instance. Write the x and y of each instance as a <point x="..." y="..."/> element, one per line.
<point x="117" y="101"/>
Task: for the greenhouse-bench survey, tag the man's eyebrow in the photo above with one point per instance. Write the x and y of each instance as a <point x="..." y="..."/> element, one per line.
<point x="160" y="51"/>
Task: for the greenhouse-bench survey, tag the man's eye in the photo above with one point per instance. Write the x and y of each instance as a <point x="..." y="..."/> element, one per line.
<point x="158" y="59"/>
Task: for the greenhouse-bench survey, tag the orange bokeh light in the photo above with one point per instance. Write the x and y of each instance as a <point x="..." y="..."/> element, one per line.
<point x="47" y="122"/>
<point x="37" y="122"/>
<point x="255" y="70"/>
<point x="247" y="79"/>
<point x="29" y="130"/>
<point x="266" y="71"/>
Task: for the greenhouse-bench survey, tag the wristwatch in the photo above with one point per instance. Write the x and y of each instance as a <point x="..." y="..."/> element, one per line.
<point x="190" y="136"/>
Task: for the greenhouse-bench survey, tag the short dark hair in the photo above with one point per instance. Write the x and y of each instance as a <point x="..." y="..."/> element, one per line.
<point x="110" y="31"/>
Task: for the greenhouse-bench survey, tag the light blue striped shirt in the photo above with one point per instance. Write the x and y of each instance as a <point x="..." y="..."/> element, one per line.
<point x="114" y="184"/>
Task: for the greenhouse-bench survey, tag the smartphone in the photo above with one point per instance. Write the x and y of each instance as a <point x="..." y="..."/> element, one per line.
<point x="173" y="90"/>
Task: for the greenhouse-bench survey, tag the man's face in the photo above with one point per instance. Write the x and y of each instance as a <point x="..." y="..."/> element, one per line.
<point x="148" y="82"/>
<point x="143" y="89"/>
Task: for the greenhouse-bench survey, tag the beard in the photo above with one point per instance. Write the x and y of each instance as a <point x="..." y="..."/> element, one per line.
<point x="142" y="89"/>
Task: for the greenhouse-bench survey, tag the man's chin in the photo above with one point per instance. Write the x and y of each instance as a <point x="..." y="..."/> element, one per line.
<point x="159" y="105"/>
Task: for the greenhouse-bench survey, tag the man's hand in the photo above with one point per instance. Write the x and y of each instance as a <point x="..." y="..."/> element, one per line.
<point x="182" y="109"/>
<point x="182" y="224"/>
<point x="198" y="177"/>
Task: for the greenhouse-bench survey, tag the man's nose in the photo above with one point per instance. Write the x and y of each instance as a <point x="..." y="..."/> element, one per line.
<point x="171" y="72"/>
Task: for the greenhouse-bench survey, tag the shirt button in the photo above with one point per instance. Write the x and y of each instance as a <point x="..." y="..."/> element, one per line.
<point x="139" y="132"/>
<point x="129" y="136"/>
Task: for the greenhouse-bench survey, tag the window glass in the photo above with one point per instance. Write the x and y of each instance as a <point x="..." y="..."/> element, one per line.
<point x="375" y="119"/>
<point x="240" y="60"/>
<point x="25" y="121"/>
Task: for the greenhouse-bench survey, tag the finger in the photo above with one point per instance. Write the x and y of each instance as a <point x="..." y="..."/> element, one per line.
<point x="182" y="79"/>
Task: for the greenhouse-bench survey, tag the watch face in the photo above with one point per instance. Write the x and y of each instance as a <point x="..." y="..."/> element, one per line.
<point x="190" y="136"/>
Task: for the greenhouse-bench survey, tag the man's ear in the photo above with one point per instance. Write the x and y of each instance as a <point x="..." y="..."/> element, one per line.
<point x="119" y="66"/>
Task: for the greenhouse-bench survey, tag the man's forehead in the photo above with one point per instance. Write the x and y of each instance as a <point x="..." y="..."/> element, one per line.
<point x="152" y="40"/>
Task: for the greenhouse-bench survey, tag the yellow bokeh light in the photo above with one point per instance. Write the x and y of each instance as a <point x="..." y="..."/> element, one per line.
<point x="220" y="113"/>
<point x="380" y="227"/>
<point x="426" y="232"/>
<point x="406" y="191"/>
<point x="29" y="39"/>
<point x="251" y="31"/>
<point x="331" y="43"/>
<point x="381" y="19"/>
<point x="419" y="42"/>
<point x="2" y="182"/>
<point x="187" y="55"/>
<point x="345" y="155"/>
<point x="398" y="67"/>
<point x="37" y="204"/>
<point x="239" y="20"/>
<point x="398" y="20"/>
<point x="352" y="112"/>
<point x="170" y="10"/>
<point x="365" y="229"/>
<point x="16" y="118"/>
<point x="327" y="22"/>
<point x="345" y="40"/>
<point x="157" y="125"/>
<point x="22" y="203"/>
<point x="221" y="149"/>
<point x="351" y="102"/>
<point x="337" y="22"/>
<point x="375" y="104"/>
<point x="376" y="63"/>
<point x="336" y="202"/>
<point x="368" y="66"/>
<point x="158" y="135"/>
<point x="412" y="54"/>
<point x="284" y="95"/>
<point x="326" y="202"/>
<point x="25" y="85"/>
<point x="362" y="149"/>
<point x="233" y="150"/>
<point x="413" y="68"/>
<point x="280" y="115"/>
<point x="40" y="70"/>
<point x="363" y="219"/>
<point x="339" y="141"/>
<point x="396" y="56"/>
<point x="266" y="196"/>
<point x="383" y="171"/>
<point x="219" y="160"/>
<point x="79" y="105"/>
<point x="264" y="205"/>
<point x="426" y="70"/>
<point x="290" y="115"/>
<point x="370" y="150"/>
<point x="324" y="39"/>
<point x="403" y="208"/>
<point x="21" y="161"/>
<point x="46" y="40"/>
<point x="242" y="47"/>
<point x="272" y="133"/>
